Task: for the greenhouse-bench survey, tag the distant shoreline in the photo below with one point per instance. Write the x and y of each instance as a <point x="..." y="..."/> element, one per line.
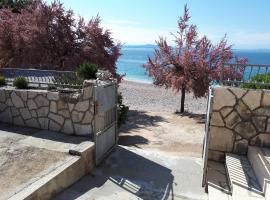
<point x="137" y="81"/>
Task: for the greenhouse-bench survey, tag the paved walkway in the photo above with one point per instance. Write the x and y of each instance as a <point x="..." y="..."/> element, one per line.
<point x="132" y="173"/>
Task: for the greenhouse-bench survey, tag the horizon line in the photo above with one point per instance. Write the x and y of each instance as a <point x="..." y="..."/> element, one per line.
<point x="138" y="45"/>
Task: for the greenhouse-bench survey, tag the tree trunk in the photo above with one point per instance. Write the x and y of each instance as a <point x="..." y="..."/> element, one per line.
<point x="183" y="96"/>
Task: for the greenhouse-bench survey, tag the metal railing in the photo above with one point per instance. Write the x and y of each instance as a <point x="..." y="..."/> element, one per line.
<point x="237" y="74"/>
<point x="43" y="78"/>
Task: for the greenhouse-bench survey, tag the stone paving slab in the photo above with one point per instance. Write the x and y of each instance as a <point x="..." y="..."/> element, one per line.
<point x="27" y="154"/>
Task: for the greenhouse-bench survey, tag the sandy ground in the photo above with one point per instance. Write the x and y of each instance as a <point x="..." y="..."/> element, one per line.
<point x="164" y="131"/>
<point x="154" y="124"/>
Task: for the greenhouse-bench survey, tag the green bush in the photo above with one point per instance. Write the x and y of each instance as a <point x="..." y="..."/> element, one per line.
<point x="20" y="83"/>
<point x="122" y="111"/>
<point x="2" y="80"/>
<point x="256" y="80"/>
<point x="88" y="71"/>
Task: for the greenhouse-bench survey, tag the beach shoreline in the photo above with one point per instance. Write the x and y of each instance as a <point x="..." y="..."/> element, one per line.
<point x="137" y="81"/>
<point x="147" y="97"/>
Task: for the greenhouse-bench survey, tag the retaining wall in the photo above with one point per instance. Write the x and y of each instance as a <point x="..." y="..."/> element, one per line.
<point x="70" y="113"/>
<point x="239" y="118"/>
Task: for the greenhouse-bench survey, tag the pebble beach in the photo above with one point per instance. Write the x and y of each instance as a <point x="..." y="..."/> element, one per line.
<point x="147" y="97"/>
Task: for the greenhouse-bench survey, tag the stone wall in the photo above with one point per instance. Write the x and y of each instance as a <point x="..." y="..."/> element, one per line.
<point x="239" y="118"/>
<point x="70" y="113"/>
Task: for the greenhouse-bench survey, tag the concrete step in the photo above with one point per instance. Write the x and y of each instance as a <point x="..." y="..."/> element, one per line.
<point x="259" y="159"/>
<point x="218" y="187"/>
<point x="242" y="179"/>
<point x="61" y="177"/>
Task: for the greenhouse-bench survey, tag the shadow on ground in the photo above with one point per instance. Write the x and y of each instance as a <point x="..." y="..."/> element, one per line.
<point x="199" y="118"/>
<point x="140" y="119"/>
<point x="132" y="140"/>
<point x="124" y="175"/>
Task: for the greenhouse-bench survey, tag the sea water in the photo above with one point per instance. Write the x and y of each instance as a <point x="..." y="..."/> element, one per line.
<point x="134" y="57"/>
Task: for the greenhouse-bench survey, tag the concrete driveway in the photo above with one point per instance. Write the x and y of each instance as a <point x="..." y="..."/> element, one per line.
<point x="132" y="173"/>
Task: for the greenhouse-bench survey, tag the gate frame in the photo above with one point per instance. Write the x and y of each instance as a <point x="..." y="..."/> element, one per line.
<point x="206" y="138"/>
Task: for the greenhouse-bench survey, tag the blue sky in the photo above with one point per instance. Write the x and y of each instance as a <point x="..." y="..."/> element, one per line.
<point x="246" y="22"/>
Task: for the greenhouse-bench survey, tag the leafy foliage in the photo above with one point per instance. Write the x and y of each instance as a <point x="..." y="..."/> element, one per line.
<point x="88" y="71"/>
<point x="122" y="111"/>
<point x="20" y="82"/>
<point x="47" y="36"/>
<point x="2" y="80"/>
<point x="192" y="63"/>
<point x="256" y="80"/>
<point x="15" y="5"/>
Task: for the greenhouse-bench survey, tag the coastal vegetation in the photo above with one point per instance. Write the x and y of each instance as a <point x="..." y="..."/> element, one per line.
<point x="2" y="80"/>
<point x="122" y="110"/>
<point x="20" y="83"/>
<point x="259" y="81"/>
<point x="47" y="36"/>
<point x="36" y="34"/>
<point x="88" y="71"/>
<point x="15" y="5"/>
<point x="193" y="63"/>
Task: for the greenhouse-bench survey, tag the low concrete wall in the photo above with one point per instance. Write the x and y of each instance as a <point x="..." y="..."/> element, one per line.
<point x="239" y="118"/>
<point x="70" y="113"/>
<point x="62" y="176"/>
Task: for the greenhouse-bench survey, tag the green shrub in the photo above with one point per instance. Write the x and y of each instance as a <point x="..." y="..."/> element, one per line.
<point x="88" y="71"/>
<point x="20" y="83"/>
<point x="259" y="78"/>
<point x="122" y="111"/>
<point x="2" y="80"/>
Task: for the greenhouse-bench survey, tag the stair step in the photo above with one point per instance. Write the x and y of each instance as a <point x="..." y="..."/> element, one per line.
<point x="259" y="159"/>
<point x="218" y="188"/>
<point x="242" y="179"/>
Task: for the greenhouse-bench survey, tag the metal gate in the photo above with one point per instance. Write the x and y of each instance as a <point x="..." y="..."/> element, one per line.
<point x="206" y="136"/>
<point x="105" y="125"/>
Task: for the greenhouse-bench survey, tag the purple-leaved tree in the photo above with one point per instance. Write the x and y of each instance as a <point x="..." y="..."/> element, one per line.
<point x="192" y="63"/>
<point x="47" y="36"/>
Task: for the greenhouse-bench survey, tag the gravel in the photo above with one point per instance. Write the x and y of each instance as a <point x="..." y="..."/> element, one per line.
<point x="147" y="97"/>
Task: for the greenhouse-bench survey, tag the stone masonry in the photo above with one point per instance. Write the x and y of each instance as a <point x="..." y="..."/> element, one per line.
<point x="70" y="113"/>
<point x="239" y="118"/>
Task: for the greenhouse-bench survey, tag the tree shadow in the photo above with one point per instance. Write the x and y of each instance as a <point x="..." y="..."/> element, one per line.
<point x="137" y="120"/>
<point x="140" y="119"/>
<point x="199" y="118"/>
<point x="132" y="140"/>
<point x="124" y="171"/>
